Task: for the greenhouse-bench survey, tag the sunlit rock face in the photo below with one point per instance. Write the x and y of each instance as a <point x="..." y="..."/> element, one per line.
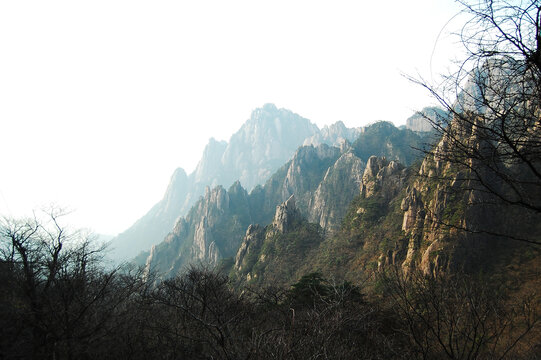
<point x="339" y="186"/>
<point x="286" y="215"/>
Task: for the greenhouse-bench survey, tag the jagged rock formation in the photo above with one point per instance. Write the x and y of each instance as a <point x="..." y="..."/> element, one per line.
<point x="382" y="182"/>
<point x="214" y="227"/>
<point x="422" y="120"/>
<point x="266" y="141"/>
<point x="300" y="177"/>
<point x="251" y="243"/>
<point x="305" y="170"/>
<point x="318" y="183"/>
<point x="286" y="216"/>
<point x="450" y="221"/>
<point x="275" y="253"/>
<point x="335" y="135"/>
<point x="383" y="176"/>
<point x="211" y="231"/>
<point x="328" y="204"/>
<point x="384" y="139"/>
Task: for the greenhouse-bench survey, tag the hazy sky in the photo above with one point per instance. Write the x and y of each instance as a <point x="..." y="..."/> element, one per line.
<point x="101" y="100"/>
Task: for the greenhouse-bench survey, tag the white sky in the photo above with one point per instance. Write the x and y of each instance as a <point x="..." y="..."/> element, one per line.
<point x="101" y="100"/>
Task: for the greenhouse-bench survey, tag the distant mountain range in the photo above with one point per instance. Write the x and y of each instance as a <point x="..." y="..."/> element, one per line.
<point x="267" y="140"/>
<point x="322" y="179"/>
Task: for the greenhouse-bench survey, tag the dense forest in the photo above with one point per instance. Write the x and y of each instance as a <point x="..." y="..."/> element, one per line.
<point x="60" y="302"/>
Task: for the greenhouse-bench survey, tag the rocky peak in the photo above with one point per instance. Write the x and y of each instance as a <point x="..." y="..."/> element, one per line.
<point x="216" y="198"/>
<point x="334" y="135"/>
<point x="236" y="189"/>
<point x="175" y="193"/>
<point x="251" y="242"/>
<point x="339" y="186"/>
<point x="303" y="171"/>
<point x="210" y="163"/>
<point x="422" y="120"/>
<point x="374" y="165"/>
<point x="382" y="176"/>
<point x="267" y="140"/>
<point x="286" y="215"/>
<point x="413" y="208"/>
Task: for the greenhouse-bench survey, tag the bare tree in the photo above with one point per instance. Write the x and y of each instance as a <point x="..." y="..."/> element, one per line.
<point x="459" y="317"/>
<point x="493" y="138"/>
<point x="58" y="300"/>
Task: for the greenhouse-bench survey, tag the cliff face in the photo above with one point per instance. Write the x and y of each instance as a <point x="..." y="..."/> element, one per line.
<point x="286" y="216"/>
<point x="412" y="221"/>
<point x="382" y="176"/>
<point x="210" y="231"/>
<point x="300" y="177"/>
<point x="328" y="204"/>
<point x="449" y="219"/>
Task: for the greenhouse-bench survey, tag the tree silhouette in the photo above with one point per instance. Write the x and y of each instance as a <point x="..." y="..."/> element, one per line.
<point x="493" y="138"/>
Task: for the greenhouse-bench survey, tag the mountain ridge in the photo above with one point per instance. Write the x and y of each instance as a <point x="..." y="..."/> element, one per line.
<point x="321" y="179"/>
<point x="267" y="140"/>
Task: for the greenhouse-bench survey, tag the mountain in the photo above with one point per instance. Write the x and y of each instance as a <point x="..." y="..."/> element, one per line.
<point x="336" y="134"/>
<point x="384" y="139"/>
<point x="214" y="227"/>
<point x="275" y="254"/>
<point x="266" y="141"/>
<point x="422" y="217"/>
<point x="141" y="234"/>
<point x="322" y="179"/>
<point x="422" y="120"/>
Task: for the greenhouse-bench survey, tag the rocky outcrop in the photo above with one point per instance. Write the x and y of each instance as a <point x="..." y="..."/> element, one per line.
<point x="414" y="211"/>
<point x="274" y="254"/>
<point x="340" y="185"/>
<point x="251" y="243"/>
<point x="323" y="180"/>
<point x="433" y="213"/>
<point x="212" y="230"/>
<point x="422" y="121"/>
<point x="383" y="177"/>
<point x="335" y="135"/>
<point x="286" y="216"/>
<point x="307" y="168"/>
